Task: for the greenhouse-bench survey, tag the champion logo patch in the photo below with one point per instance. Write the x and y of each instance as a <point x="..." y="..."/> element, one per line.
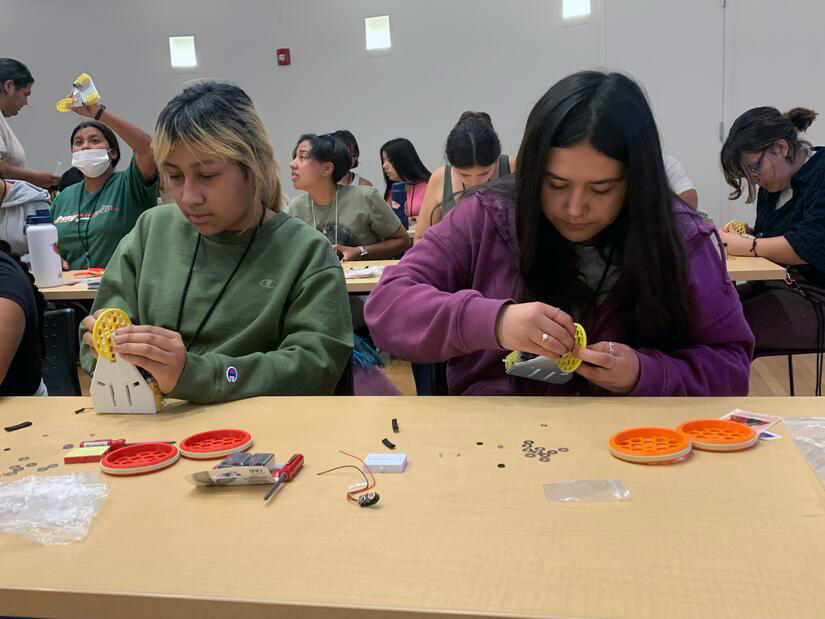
<point x="231" y="374"/>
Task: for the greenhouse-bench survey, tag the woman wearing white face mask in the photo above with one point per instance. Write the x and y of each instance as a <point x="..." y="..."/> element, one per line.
<point x="92" y="216"/>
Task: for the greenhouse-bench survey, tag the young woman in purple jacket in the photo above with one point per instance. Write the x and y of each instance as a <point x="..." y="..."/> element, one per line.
<point x="588" y="231"/>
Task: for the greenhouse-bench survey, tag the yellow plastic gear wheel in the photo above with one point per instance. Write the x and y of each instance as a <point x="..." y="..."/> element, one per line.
<point x="568" y="363"/>
<point x="64" y="105"/>
<point x="735" y="225"/>
<point x="105" y="325"/>
<point x="159" y="397"/>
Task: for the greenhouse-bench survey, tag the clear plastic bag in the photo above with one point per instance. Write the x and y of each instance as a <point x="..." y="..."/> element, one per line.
<point x="809" y="435"/>
<point x="586" y="490"/>
<point x="52" y="509"/>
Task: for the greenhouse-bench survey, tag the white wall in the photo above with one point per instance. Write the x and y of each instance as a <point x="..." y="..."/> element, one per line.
<point x="447" y="57"/>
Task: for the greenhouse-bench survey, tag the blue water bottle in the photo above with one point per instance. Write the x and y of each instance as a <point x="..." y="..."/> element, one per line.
<point x="399" y="198"/>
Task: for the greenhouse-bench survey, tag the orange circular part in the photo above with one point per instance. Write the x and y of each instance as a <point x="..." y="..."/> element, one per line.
<point x="138" y="459"/>
<point x="719" y="434"/>
<point x="650" y="445"/>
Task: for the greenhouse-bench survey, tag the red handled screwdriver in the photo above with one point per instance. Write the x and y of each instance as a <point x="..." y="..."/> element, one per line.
<point x="286" y="473"/>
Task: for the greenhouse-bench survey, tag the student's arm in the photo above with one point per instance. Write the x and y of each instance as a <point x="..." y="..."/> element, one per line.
<point x="691" y="198"/>
<point x="776" y="248"/>
<point x="12" y="327"/>
<point x="512" y="159"/>
<point x="386" y="225"/>
<point x="136" y="138"/>
<point x="309" y="361"/>
<point x="430" y="213"/>
<point x="41" y="178"/>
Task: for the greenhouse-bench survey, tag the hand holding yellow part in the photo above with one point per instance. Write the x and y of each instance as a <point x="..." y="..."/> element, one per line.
<point x="568" y="363"/>
<point x="117" y="385"/>
<point x="735" y="225"/>
<point x="83" y="93"/>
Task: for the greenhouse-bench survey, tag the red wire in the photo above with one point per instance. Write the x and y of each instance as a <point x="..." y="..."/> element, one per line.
<point x="352" y="493"/>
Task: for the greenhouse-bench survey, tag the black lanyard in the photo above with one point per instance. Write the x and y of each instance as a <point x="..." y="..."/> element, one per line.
<point x="84" y="241"/>
<point x="225" y="286"/>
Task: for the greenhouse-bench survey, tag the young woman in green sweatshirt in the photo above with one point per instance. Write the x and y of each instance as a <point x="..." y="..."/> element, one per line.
<point x="230" y="297"/>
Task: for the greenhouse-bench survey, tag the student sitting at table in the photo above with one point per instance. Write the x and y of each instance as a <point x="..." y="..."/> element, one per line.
<point x="359" y="224"/>
<point x="474" y="157"/>
<point x="222" y="280"/>
<point x="91" y="217"/>
<point x="21" y="328"/>
<point x="764" y="148"/>
<point x="587" y="231"/>
<point x="351" y="177"/>
<point x="401" y="163"/>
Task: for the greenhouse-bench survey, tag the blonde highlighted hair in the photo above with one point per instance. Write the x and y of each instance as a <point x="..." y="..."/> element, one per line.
<point x="218" y="118"/>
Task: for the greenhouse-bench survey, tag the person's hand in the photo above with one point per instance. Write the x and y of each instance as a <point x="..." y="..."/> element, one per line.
<point x="89" y="324"/>
<point x="535" y="328"/>
<point x="157" y="350"/>
<point x="736" y="244"/>
<point x="349" y="253"/>
<point x="89" y="111"/>
<point x="43" y="179"/>
<point x="609" y="365"/>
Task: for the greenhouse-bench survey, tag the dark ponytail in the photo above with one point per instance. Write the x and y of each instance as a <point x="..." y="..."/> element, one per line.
<point x="39" y="299"/>
<point x="755" y="131"/>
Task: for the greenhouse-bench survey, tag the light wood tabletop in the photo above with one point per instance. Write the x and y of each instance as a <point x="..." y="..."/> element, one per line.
<point x="750" y="268"/>
<point x="719" y="535"/>
<point x="740" y="268"/>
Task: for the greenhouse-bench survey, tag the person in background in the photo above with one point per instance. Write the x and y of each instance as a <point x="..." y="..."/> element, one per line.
<point x="351" y="177"/>
<point x="15" y="88"/>
<point x="764" y="149"/>
<point x="588" y="230"/>
<point x="680" y="182"/>
<point x="474" y="157"/>
<point x="401" y="163"/>
<point x="229" y="297"/>
<point x="18" y="200"/>
<point x="358" y="223"/>
<point x="21" y="328"/>
<point x="93" y="216"/>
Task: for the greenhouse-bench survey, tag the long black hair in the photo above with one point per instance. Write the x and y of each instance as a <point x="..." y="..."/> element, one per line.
<point x="328" y="149"/>
<point x="404" y="158"/>
<point x="473" y="141"/>
<point x="16" y="71"/>
<point x="39" y="299"/>
<point x="349" y="139"/>
<point x="110" y="136"/>
<point x="610" y="111"/>
<point x="757" y="130"/>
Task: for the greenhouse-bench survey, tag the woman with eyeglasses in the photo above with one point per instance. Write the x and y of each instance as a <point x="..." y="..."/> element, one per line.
<point x="355" y="219"/>
<point x="764" y="150"/>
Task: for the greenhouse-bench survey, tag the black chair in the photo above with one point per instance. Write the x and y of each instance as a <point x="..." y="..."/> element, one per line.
<point x="60" y="364"/>
<point x="816" y="296"/>
<point x="430" y="378"/>
<point x="345" y="385"/>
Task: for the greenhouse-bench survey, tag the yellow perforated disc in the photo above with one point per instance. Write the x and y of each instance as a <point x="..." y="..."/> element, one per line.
<point x="81" y="80"/>
<point x="64" y="105"/>
<point x="568" y="363"/>
<point x="734" y="225"/>
<point x="105" y="325"/>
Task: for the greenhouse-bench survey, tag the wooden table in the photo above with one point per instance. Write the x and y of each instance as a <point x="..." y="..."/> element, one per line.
<point x="749" y="268"/>
<point x="718" y="536"/>
<point x="365" y="284"/>
<point x="68" y="291"/>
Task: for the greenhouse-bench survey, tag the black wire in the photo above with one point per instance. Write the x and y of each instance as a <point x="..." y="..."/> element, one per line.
<point x="348" y="466"/>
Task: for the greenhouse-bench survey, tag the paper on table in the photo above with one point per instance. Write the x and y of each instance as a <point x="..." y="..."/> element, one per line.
<point x="363" y="272"/>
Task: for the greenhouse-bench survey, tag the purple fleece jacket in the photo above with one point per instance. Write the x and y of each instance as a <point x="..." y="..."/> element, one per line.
<point x="442" y="300"/>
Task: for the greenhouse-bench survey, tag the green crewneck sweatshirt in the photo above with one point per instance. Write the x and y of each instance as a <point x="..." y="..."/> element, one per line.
<point x="282" y="327"/>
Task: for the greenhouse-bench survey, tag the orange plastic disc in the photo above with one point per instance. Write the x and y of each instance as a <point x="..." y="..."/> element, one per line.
<point x="650" y="445"/>
<point x="719" y="435"/>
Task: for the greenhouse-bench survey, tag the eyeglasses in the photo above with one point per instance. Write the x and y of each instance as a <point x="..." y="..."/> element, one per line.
<point x="757" y="165"/>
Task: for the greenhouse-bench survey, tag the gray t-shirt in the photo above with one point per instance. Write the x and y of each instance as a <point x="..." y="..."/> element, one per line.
<point x="363" y="218"/>
<point x="591" y="270"/>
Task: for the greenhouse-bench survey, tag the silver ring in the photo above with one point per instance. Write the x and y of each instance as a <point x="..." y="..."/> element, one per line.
<point x="610" y="348"/>
<point x="544" y="338"/>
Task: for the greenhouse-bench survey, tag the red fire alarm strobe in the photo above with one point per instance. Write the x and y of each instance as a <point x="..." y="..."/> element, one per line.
<point x="282" y="56"/>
